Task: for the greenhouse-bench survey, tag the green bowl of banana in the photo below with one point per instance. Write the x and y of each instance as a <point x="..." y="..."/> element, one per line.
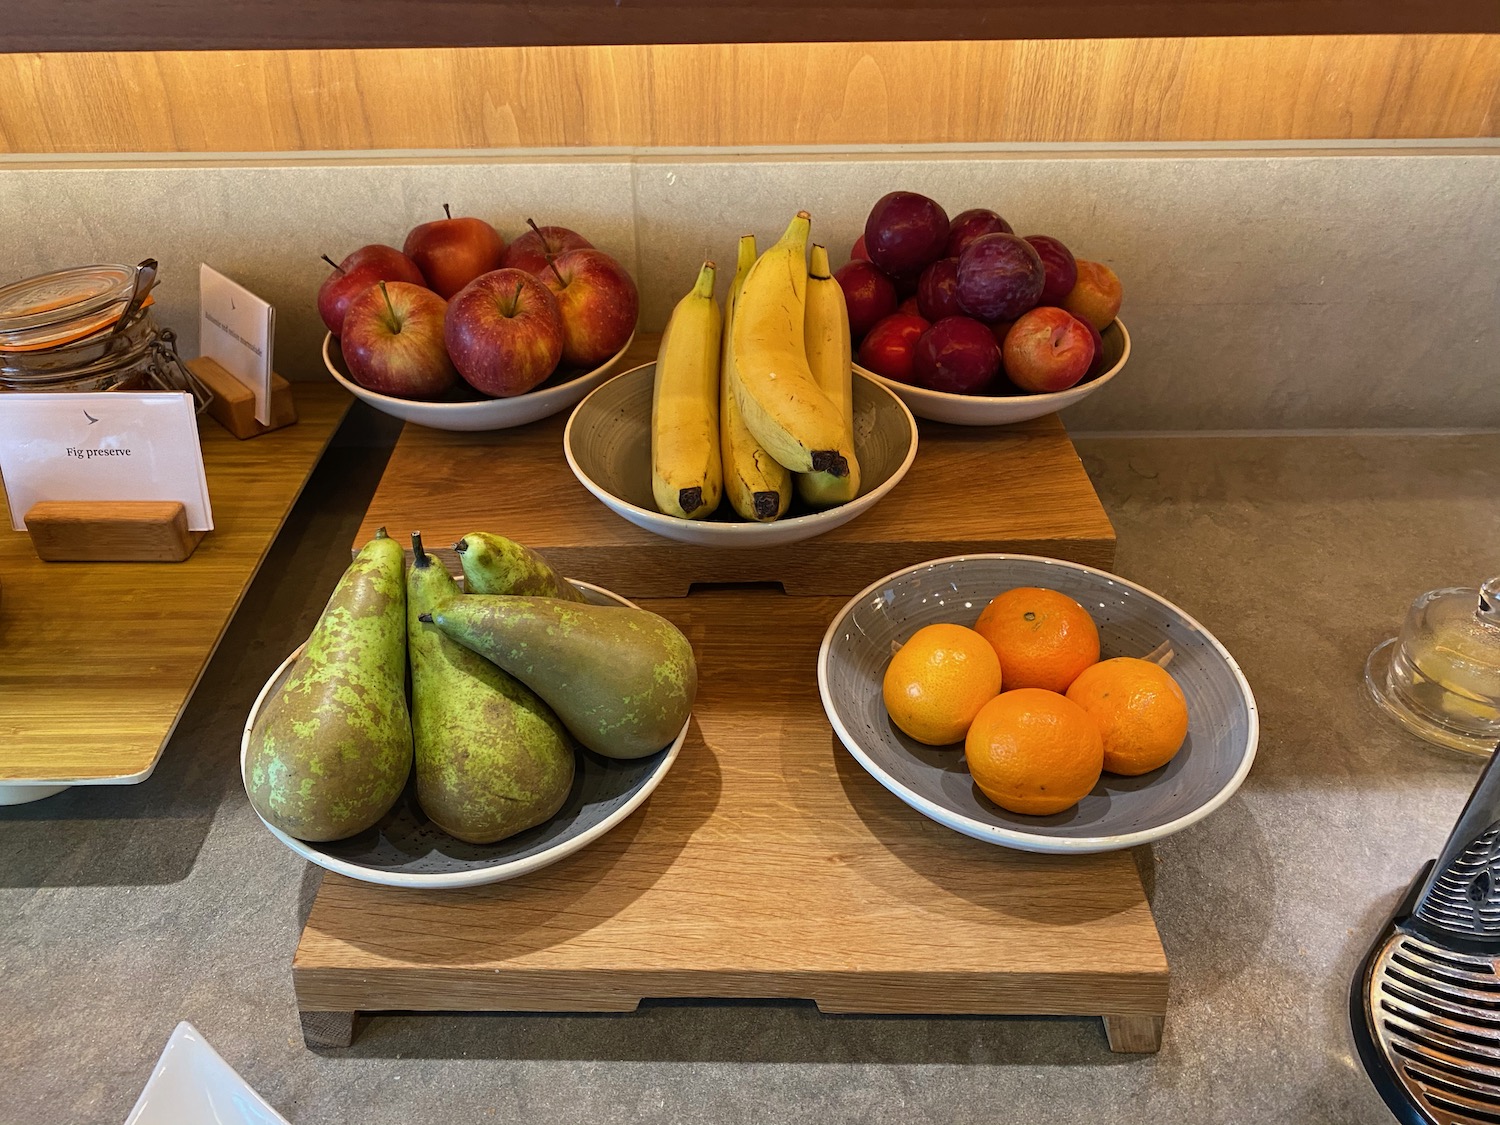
<point x="752" y="428"/>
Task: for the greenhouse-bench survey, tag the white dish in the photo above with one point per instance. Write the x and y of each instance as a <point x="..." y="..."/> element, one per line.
<point x="477" y="414"/>
<point x="406" y="850"/>
<point x="192" y="1084"/>
<point x="999" y="410"/>
<point x="608" y="446"/>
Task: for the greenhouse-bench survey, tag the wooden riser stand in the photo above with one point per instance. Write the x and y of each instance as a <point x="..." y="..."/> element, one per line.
<point x="768" y="864"/>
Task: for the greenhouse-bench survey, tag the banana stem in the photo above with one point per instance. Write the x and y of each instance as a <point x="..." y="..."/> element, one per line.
<point x="704" y="287"/>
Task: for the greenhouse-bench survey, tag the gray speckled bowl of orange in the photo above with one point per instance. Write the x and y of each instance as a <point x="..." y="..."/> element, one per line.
<point x="1120" y="812"/>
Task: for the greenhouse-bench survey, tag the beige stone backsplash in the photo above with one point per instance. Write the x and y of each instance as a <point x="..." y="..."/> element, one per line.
<point x="1263" y="290"/>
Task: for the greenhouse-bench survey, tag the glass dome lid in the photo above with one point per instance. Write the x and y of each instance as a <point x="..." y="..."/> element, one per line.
<point x="62" y="306"/>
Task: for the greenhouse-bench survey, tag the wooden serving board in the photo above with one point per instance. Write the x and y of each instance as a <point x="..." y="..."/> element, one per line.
<point x="101" y="657"/>
<point x="767" y="864"/>
<point x="971" y="490"/>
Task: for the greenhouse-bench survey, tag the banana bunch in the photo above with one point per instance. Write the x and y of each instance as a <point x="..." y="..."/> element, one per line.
<point x="772" y="400"/>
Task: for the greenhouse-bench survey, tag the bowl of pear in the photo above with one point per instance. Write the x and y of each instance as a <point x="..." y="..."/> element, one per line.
<point x="469" y="774"/>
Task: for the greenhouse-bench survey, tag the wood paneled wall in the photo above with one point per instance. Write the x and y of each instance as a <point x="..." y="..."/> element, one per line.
<point x="827" y="94"/>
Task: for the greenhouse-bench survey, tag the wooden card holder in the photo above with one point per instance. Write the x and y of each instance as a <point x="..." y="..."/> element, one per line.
<point x="233" y="405"/>
<point x="111" y="531"/>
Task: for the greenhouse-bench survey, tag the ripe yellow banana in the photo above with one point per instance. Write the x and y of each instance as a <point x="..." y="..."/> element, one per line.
<point x="791" y="417"/>
<point x="758" y="486"/>
<point x="686" y="475"/>
<point x="827" y="337"/>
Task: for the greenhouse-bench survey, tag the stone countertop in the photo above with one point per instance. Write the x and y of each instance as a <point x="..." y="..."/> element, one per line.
<point x="124" y="910"/>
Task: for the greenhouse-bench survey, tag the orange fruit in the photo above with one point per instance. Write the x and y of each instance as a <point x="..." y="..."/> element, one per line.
<point x="1034" y="751"/>
<point x="937" y="682"/>
<point x="1141" y="712"/>
<point x="1043" y="638"/>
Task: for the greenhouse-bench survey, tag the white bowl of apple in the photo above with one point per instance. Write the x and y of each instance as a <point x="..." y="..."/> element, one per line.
<point x="994" y="328"/>
<point x="458" y="331"/>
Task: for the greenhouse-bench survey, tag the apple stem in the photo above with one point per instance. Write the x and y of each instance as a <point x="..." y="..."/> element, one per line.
<point x="553" y="267"/>
<point x="516" y="300"/>
<point x="446" y="211"/>
<point x="395" y="320"/>
<point x="331" y="262"/>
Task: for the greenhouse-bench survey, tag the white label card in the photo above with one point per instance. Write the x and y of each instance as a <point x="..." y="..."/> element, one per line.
<point x="117" y="445"/>
<point x="238" y="332"/>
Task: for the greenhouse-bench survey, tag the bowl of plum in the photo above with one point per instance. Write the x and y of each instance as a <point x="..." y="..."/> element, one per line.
<point x="972" y="324"/>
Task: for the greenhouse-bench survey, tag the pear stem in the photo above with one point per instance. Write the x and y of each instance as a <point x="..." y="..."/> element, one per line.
<point x="426" y="618"/>
<point x="419" y="556"/>
<point x="461" y="546"/>
<point x="446" y="211"/>
<point x="331" y="262"/>
<point x="381" y="533"/>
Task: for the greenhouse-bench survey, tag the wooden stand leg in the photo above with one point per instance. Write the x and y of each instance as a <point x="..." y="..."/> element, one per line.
<point x="1134" y="1034"/>
<point x="328" y="1029"/>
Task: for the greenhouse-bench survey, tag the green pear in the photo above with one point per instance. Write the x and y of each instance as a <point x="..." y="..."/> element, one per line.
<point x="493" y="564"/>
<point x="622" y="680"/>
<point x="492" y="760"/>
<point x="330" y="752"/>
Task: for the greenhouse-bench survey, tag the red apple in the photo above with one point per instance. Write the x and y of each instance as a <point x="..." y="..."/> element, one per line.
<point x="890" y="347"/>
<point x="453" y="252"/>
<point x="905" y="234"/>
<point x="1096" y="295"/>
<point x="857" y="252"/>
<point x="598" y="302"/>
<point x="530" y="250"/>
<point x="957" y="355"/>
<point x="937" y="290"/>
<point x="972" y="224"/>
<point x="1048" y="349"/>
<point x="358" y="272"/>
<point x="910" y="307"/>
<point x="504" y="332"/>
<point x="393" y="341"/>
<point x="870" y="295"/>
<point x="1058" y="265"/>
<point x="1000" y="276"/>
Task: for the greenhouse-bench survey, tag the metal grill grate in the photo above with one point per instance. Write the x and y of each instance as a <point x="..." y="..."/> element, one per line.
<point x="1462" y="897"/>
<point x="1437" y="1015"/>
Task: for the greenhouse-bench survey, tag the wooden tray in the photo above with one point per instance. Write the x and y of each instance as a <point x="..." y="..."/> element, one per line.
<point x="102" y="657"/>
<point x="972" y="489"/>
<point x="768" y="864"/>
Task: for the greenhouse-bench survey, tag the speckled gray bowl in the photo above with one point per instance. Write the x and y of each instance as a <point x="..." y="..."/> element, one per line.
<point x="405" y="849"/>
<point x="608" y="446"/>
<point x="1121" y="812"/>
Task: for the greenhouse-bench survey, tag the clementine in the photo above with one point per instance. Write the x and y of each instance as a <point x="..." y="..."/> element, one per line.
<point x="1140" y="709"/>
<point x="1033" y="751"/>
<point x="937" y="682"/>
<point x="1043" y="638"/>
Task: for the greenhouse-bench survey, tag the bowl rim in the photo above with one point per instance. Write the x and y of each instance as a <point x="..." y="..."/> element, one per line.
<point x="474" y="877"/>
<point x="533" y="395"/>
<point x="1057" y="399"/>
<point x="1029" y="841"/>
<point x="741" y="528"/>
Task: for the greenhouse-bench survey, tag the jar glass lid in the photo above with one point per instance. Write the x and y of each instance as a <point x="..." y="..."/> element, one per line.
<point x="64" y="305"/>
